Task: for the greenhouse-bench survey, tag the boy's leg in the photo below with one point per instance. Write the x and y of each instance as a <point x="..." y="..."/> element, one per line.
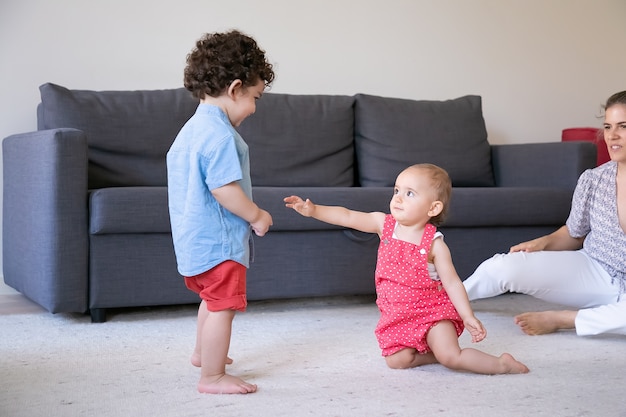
<point x="215" y="341"/>
<point x="221" y="288"/>
<point x="203" y="313"/>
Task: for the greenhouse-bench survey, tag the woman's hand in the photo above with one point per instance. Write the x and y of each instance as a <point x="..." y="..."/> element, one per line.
<point x="558" y="240"/>
<point x="534" y="245"/>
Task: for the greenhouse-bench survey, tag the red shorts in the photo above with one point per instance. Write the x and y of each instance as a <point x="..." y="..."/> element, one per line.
<point x="222" y="287"/>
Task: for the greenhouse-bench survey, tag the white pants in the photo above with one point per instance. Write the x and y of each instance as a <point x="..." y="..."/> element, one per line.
<point x="564" y="277"/>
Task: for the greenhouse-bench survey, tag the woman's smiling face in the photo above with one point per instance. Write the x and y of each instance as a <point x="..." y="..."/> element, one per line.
<point x="615" y="132"/>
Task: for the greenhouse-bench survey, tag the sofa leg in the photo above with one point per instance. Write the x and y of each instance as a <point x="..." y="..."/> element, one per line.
<point x="98" y="315"/>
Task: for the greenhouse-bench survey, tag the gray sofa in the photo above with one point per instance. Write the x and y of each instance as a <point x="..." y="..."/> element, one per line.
<point x="85" y="220"/>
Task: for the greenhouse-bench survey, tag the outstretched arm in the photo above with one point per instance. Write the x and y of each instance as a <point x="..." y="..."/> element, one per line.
<point x="365" y="222"/>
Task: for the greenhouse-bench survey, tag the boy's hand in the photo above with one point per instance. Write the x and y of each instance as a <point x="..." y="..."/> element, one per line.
<point x="305" y="208"/>
<point x="262" y="223"/>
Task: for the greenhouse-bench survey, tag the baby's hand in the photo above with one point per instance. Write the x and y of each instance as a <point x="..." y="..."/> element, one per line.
<point x="262" y="223"/>
<point x="305" y="208"/>
<point x="475" y="328"/>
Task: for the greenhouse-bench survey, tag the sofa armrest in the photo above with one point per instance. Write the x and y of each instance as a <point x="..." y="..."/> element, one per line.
<point x="549" y="164"/>
<point x="45" y="241"/>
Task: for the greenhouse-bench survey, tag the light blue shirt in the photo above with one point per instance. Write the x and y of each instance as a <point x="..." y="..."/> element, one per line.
<point x="207" y="153"/>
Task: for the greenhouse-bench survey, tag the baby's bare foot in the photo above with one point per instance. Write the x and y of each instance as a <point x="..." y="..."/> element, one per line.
<point x="513" y="366"/>
<point x="225" y="384"/>
<point x="545" y="322"/>
<point x="195" y="360"/>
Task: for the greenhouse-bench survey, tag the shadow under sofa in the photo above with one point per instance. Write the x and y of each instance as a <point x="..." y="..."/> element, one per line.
<point x="85" y="220"/>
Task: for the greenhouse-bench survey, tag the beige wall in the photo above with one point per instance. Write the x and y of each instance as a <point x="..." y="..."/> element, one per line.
<point x="540" y="65"/>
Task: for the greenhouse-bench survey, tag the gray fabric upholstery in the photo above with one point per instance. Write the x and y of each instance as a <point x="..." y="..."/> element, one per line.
<point x="312" y="263"/>
<point x="128" y="132"/>
<point x="127" y="210"/>
<point x="475" y="207"/>
<point x="469" y="206"/>
<point x="552" y="164"/>
<point x="133" y="270"/>
<point x="393" y="133"/>
<point x="86" y="225"/>
<point x="44" y="227"/>
<point x="300" y="140"/>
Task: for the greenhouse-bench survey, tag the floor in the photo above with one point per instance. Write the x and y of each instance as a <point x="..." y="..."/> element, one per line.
<point x="12" y="302"/>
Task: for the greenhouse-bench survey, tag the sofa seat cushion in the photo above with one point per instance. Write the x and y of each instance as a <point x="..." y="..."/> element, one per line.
<point x="128" y="132"/>
<point x="469" y="206"/>
<point x="144" y="209"/>
<point x="124" y="210"/>
<point x="393" y="133"/>
<point x="301" y="140"/>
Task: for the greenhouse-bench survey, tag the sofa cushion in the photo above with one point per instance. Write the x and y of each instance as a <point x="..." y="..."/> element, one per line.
<point x="128" y="210"/>
<point x="301" y="140"/>
<point x="470" y="207"/>
<point x="128" y="132"/>
<point x="393" y="133"/>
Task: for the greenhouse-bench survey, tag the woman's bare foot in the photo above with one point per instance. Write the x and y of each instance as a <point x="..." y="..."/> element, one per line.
<point x="513" y="366"/>
<point x="195" y="360"/>
<point x="225" y="384"/>
<point x="544" y="322"/>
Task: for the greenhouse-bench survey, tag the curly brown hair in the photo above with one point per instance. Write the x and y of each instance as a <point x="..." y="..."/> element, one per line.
<point x="221" y="58"/>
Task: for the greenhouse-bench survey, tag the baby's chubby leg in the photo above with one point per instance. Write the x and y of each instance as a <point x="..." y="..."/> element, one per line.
<point x="409" y="358"/>
<point x="444" y="342"/>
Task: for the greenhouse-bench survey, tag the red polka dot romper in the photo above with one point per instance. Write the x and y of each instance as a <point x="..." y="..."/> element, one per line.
<point x="410" y="301"/>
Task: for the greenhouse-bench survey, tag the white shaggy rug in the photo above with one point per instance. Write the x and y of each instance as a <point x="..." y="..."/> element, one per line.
<point x="308" y="357"/>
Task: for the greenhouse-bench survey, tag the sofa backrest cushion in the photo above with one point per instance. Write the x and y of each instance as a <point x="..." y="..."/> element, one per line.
<point x="392" y="134"/>
<point x="301" y="140"/>
<point x="128" y="132"/>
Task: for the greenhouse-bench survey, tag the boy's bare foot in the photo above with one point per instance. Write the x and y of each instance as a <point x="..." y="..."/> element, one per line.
<point x="544" y="322"/>
<point x="513" y="366"/>
<point x="195" y="360"/>
<point x="225" y="384"/>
